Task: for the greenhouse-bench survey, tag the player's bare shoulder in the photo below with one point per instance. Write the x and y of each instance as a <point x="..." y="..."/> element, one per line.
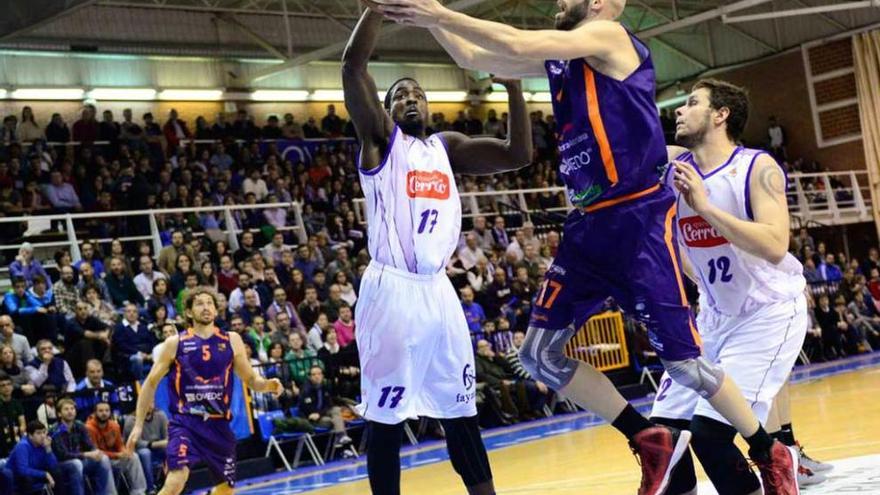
<point x="767" y="180"/>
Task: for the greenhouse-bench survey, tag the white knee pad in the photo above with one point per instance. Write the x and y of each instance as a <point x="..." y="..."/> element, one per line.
<point x="543" y="356"/>
<point x="697" y="374"/>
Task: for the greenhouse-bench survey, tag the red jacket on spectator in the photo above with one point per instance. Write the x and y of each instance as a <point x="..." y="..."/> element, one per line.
<point x="107" y="439"/>
<point x="170" y="131"/>
<point x="85" y="131"/>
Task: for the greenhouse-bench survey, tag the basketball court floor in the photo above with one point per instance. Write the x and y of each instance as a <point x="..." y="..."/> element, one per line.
<point x="836" y="413"/>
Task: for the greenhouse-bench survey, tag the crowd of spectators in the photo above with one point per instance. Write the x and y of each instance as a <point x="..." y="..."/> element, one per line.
<point x="76" y="334"/>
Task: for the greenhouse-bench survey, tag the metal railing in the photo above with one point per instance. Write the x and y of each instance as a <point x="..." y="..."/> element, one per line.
<point x="828" y="198"/>
<point x="73" y="240"/>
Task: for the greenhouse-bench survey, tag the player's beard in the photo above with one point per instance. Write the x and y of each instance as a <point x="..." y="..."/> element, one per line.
<point x="695" y="138"/>
<point x="570" y="18"/>
<point x="412" y="127"/>
<point x="203" y="320"/>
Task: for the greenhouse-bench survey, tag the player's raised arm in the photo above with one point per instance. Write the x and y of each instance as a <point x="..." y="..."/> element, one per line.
<point x="148" y="390"/>
<point x="767" y="236"/>
<point x="245" y="371"/>
<point x="372" y="124"/>
<point x="599" y="39"/>
<point x="470" y="56"/>
<point x="482" y="156"/>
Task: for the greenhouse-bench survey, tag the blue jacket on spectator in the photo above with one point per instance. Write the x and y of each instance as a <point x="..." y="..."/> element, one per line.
<point x="831" y="273"/>
<point x="40" y="302"/>
<point x="126" y="342"/>
<point x="474" y="315"/>
<point x="87" y="398"/>
<point x="17" y="269"/>
<point x="18" y="305"/>
<point x="30" y="461"/>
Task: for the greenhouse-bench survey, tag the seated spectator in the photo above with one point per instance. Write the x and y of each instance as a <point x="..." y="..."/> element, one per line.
<point x="98" y="307"/>
<point x="473" y="312"/>
<point x="145" y="278"/>
<point x="316" y="333"/>
<point x="18" y="342"/>
<point x="94" y="389"/>
<point x="483" y="235"/>
<point x="44" y="321"/>
<point x="499" y="233"/>
<point x="300" y="359"/>
<point x="867" y="321"/>
<point x="18" y="305"/>
<point x="280" y="305"/>
<point x="151" y="446"/>
<point x="32" y="462"/>
<point x="48" y="369"/>
<point x="344" y="326"/>
<point x="183" y="265"/>
<point x="236" y="297"/>
<point x="811" y="273"/>
<point x="305" y="261"/>
<point x="85" y="338"/>
<point x="11" y="368"/>
<point x="342" y="370"/>
<point x="78" y="456"/>
<point x="12" y="422"/>
<point x="121" y="286"/>
<point x="251" y="307"/>
<point x="61" y="195"/>
<point x="829" y="271"/>
<point x="190" y="282"/>
<point x="835" y="327"/>
<point x="26" y="266"/>
<point x="246" y="248"/>
<point x="284" y="272"/>
<point x="46" y="413"/>
<point x="277" y="366"/>
<point x="132" y="344"/>
<point x="88" y="276"/>
<point x="260" y="338"/>
<point x="333" y="303"/>
<point x="346" y="288"/>
<point x="66" y="293"/>
<point x="227" y="277"/>
<point x="479" y="277"/>
<point x="162" y="297"/>
<point x="494" y="371"/>
<point x="310" y="308"/>
<point x="168" y="254"/>
<point x="538" y="392"/>
<point x="207" y="277"/>
<point x="470" y="252"/>
<point x="318" y="406"/>
<point x="106" y="436"/>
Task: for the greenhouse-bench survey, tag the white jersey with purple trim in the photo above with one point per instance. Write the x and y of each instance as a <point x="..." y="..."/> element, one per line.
<point x="412" y="204"/>
<point x="731" y="281"/>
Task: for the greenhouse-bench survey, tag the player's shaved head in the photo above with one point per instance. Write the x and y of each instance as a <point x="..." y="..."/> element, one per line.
<point x="572" y="13"/>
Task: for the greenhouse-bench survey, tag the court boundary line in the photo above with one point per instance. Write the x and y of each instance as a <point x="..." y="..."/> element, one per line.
<point x="801" y="374"/>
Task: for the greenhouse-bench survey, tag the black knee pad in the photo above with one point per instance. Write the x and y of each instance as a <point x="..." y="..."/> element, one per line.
<point x="683" y="478"/>
<point x="722" y="460"/>
<point x="466" y="450"/>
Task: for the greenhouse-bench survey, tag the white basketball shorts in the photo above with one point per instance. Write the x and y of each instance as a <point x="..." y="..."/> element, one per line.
<point x="415" y="348"/>
<point x="757" y="351"/>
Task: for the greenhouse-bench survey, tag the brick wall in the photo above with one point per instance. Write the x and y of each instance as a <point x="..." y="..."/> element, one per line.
<point x="831" y="56"/>
<point x="778" y="87"/>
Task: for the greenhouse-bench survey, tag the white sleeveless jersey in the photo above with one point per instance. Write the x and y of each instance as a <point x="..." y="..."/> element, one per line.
<point x="412" y="203"/>
<point x="732" y="281"/>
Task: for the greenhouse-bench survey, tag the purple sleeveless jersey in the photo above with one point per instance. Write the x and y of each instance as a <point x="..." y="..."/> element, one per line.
<point x="200" y="382"/>
<point x="610" y="139"/>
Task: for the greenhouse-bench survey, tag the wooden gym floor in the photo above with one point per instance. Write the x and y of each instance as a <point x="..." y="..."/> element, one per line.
<point x="836" y="418"/>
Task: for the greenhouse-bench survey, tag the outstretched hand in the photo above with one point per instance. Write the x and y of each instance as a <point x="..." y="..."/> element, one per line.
<point x="421" y="13"/>
<point x="507" y="82"/>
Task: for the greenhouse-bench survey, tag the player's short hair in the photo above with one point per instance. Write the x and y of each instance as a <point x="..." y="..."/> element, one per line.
<point x="198" y="291"/>
<point x="390" y="92"/>
<point x="725" y="95"/>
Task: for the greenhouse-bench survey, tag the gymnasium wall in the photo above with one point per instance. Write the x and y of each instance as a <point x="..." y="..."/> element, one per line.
<point x="778" y="86"/>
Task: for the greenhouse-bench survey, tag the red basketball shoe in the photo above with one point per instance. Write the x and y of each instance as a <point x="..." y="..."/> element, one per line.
<point x="659" y="449"/>
<point x="779" y="472"/>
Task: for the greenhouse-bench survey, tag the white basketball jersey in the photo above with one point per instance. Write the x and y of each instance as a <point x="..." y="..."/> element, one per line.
<point x="732" y="281"/>
<point x="412" y="203"/>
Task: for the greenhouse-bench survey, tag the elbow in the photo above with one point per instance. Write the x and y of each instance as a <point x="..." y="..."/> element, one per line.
<point x="776" y="255"/>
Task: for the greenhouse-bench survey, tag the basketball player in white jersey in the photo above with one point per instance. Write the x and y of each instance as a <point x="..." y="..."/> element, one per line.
<point x="415" y="349"/>
<point x="733" y="225"/>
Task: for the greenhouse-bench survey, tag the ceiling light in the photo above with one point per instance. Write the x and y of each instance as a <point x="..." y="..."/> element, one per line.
<point x="191" y="94"/>
<point x="279" y="95"/>
<point x="48" y="94"/>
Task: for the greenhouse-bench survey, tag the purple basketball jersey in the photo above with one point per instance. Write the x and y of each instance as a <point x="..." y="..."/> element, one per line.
<point x="200" y="382"/>
<point x="610" y="139"/>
